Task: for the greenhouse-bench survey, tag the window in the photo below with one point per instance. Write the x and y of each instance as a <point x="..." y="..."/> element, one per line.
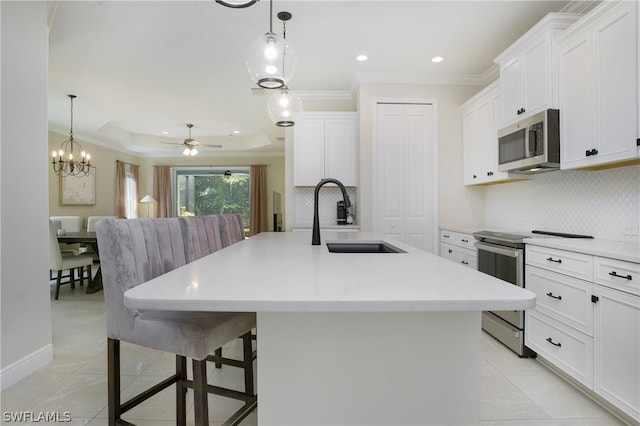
<point x="212" y="190"/>
<point x="130" y="195"/>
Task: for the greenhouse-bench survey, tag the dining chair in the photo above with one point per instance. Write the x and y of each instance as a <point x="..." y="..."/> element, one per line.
<point x="59" y="262"/>
<point x="69" y="224"/>
<point x="132" y="252"/>
<point x="202" y="237"/>
<point x="91" y="222"/>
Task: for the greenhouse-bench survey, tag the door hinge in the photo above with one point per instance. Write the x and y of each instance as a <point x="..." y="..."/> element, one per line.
<point x="594" y="298"/>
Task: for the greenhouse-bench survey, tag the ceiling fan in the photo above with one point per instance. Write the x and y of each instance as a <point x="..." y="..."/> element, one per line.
<point x="191" y="146"/>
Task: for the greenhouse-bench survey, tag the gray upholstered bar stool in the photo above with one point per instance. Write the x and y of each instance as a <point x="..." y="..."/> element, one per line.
<point x="133" y="251"/>
<point x="202" y="237"/>
<point x="231" y="228"/>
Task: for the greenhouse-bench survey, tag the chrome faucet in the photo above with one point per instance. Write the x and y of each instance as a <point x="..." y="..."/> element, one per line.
<point x="315" y="238"/>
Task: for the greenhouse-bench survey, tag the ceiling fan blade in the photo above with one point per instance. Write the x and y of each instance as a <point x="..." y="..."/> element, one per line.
<point x="210" y="146"/>
<point x="171" y="143"/>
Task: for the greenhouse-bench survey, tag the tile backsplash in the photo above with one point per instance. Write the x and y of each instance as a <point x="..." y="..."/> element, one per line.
<point x="327" y="210"/>
<point x="604" y="204"/>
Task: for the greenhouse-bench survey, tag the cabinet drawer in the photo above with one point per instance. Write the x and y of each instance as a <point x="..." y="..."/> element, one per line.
<point x="561" y="345"/>
<point x="458" y="239"/>
<point x="576" y="265"/>
<point x="618" y="274"/>
<point x="460" y="255"/>
<point x="564" y="298"/>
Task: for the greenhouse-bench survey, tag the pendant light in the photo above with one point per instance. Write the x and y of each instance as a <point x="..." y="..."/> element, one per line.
<point x="236" y="4"/>
<point x="71" y="159"/>
<point x="271" y="60"/>
<point x="283" y="107"/>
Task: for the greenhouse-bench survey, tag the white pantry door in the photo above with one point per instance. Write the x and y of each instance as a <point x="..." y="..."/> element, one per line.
<point x="405" y="174"/>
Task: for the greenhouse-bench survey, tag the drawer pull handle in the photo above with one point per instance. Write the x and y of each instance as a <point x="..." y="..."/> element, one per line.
<point x="555" y="297"/>
<point x="553" y="343"/>
<point x="464" y="241"/>
<point x="450" y="251"/>
<point x="445" y="236"/>
<point x="614" y="274"/>
<point x="464" y="262"/>
<point x="551" y="259"/>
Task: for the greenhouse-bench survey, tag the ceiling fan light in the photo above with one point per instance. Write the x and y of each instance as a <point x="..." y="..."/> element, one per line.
<point x="186" y="151"/>
<point x="194" y="152"/>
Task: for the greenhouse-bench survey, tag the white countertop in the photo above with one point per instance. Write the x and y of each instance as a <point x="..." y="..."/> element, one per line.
<point x="621" y="250"/>
<point x="283" y="272"/>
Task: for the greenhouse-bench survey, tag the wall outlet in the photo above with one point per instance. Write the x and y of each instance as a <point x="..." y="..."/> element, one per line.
<point x="630" y="228"/>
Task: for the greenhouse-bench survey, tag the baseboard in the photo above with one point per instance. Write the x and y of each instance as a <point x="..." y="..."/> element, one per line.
<point x="13" y="373"/>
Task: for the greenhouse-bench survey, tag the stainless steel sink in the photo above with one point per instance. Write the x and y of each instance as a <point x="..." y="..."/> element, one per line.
<point x="362" y="247"/>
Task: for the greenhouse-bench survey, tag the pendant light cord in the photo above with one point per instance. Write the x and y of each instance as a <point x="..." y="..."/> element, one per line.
<point x="71" y="129"/>
<point x="271" y="16"/>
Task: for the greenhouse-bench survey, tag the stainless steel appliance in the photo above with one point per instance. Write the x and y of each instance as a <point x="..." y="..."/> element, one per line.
<point x="531" y="145"/>
<point x="502" y="255"/>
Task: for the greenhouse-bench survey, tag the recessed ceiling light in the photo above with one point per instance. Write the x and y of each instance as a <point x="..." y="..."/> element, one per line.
<point x="437" y="59"/>
<point x="361" y="58"/>
<point x="237" y="132"/>
<point x="165" y="133"/>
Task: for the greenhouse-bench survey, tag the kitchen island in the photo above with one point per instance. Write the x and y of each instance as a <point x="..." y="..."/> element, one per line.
<point x="348" y="338"/>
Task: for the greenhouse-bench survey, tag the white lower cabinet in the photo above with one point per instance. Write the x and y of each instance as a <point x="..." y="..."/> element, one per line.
<point x="458" y="247"/>
<point x="584" y="324"/>
<point x="617" y="349"/>
<point x="562" y="345"/>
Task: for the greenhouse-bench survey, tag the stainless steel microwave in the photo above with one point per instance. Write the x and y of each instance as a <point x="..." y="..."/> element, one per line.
<point x="531" y="145"/>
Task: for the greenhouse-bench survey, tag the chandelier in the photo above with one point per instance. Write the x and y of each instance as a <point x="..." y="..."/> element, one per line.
<point x="70" y="159"/>
<point x="266" y="61"/>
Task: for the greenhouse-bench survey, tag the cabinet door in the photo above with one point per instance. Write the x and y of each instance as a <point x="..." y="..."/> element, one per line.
<point x="470" y="143"/>
<point x="598" y="91"/>
<point x="340" y="150"/>
<point x="617" y="349"/>
<point x="308" y="152"/>
<point x="575" y="100"/>
<point x="537" y="93"/>
<point x="615" y="70"/>
<point x="512" y="87"/>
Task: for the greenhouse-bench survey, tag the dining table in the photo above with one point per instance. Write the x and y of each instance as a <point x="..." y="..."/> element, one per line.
<point x="89" y="238"/>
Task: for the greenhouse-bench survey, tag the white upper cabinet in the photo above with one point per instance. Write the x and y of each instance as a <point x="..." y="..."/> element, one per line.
<point x="481" y="117"/>
<point x="324" y="146"/>
<point x="598" y="87"/>
<point x="528" y="81"/>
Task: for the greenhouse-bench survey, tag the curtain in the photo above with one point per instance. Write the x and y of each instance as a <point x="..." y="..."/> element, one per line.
<point x="162" y="190"/>
<point x="121" y="182"/>
<point x="135" y="171"/>
<point x="258" y="221"/>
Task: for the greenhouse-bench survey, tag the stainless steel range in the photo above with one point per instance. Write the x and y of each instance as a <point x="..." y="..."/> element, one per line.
<point x="502" y="255"/>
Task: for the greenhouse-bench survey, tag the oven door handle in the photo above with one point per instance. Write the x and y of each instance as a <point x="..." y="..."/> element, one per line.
<point x="516" y="253"/>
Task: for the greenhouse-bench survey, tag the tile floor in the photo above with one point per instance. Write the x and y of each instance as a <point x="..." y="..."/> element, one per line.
<point x="514" y="391"/>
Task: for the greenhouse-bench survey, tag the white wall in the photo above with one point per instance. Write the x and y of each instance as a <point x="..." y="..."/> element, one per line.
<point x="457" y="205"/>
<point x="598" y="203"/>
<point x="26" y="307"/>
